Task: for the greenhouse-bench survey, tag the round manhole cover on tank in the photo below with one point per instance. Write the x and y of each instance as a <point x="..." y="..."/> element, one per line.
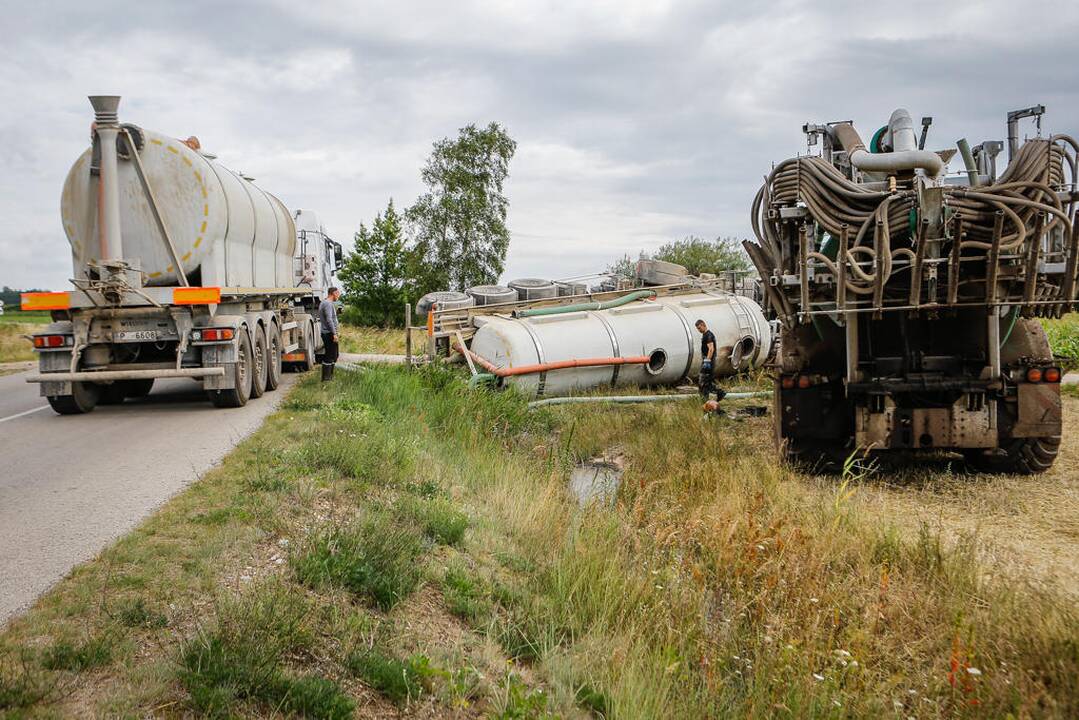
<point x="492" y="294"/>
<point x="534" y="288"/>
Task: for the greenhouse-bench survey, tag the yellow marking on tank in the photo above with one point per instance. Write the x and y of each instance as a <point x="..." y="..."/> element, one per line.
<point x="198" y="240"/>
<point x="187" y="161"/>
<point x="173" y="150"/>
<point x="154" y="275"/>
<point x="186" y="257"/>
<point x="198" y="176"/>
<point x="206" y="210"/>
<point x="203" y="228"/>
<point x="155" y="141"/>
<point x="168" y="269"/>
<point x="203" y="192"/>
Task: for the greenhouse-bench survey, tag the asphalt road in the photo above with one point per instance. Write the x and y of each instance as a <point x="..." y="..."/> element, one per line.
<point x="69" y="485"/>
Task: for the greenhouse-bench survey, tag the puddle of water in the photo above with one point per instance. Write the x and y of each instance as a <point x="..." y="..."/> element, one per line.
<point x="595" y="482"/>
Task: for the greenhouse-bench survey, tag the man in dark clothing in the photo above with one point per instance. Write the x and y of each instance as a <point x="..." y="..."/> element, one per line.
<point x="707" y="378"/>
<point x="327" y="315"/>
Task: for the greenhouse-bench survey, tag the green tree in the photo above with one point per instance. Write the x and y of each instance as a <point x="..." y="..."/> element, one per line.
<point x="705" y="256"/>
<point x="376" y="273"/>
<point x="458" y="226"/>
<point x="624" y="266"/>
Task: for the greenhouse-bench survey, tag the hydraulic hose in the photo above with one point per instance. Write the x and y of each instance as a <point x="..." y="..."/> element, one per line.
<point x="639" y="398"/>
<point x="545" y="367"/>
<point x="580" y="307"/>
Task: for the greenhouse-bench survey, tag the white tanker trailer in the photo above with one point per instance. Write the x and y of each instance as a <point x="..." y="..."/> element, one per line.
<point x="182" y="268"/>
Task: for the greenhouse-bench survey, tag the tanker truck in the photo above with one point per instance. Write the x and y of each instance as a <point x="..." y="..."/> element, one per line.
<point x="909" y="298"/>
<point x="182" y="268"/>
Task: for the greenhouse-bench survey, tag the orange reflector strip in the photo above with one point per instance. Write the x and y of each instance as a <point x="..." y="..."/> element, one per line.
<point x="196" y="296"/>
<point x="45" y="301"/>
<point x="292" y="357"/>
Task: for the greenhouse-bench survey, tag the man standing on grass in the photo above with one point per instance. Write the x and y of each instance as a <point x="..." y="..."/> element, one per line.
<point x="707" y="378"/>
<point x="327" y="316"/>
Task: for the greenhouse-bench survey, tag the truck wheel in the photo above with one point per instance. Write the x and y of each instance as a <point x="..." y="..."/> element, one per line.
<point x="83" y="399"/>
<point x="258" y="357"/>
<point x="113" y="394"/>
<point x="138" y="388"/>
<point x="238" y="395"/>
<point x="1019" y="456"/>
<point x="273" y="358"/>
<point x="308" y="362"/>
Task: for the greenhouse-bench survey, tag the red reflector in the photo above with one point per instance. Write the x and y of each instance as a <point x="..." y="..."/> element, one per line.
<point x="1052" y="375"/>
<point x="214" y="334"/>
<point x="50" y="341"/>
<point x="787" y="382"/>
<point x="1034" y="375"/>
<point x="803" y="381"/>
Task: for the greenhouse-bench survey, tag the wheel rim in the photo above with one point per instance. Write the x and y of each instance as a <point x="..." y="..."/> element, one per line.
<point x="259" y="362"/>
<point x="241" y="368"/>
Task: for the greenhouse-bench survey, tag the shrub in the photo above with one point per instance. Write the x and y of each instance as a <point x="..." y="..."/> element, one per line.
<point x="76" y="657"/>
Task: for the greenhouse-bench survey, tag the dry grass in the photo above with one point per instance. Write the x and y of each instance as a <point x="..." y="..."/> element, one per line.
<point x="370" y="340"/>
<point x="720" y="584"/>
<point x="14" y="342"/>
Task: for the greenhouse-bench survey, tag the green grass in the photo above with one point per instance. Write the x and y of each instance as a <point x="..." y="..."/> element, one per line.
<point x="441" y="521"/>
<point x="400" y="680"/>
<point x="1064" y="338"/>
<point x="238" y="660"/>
<point x="375" y="558"/>
<point x="80" y="655"/>
<point x="19" y="317"/>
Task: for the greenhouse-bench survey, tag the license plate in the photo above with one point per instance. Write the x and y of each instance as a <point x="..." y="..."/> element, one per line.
<point x="135" y="336"/>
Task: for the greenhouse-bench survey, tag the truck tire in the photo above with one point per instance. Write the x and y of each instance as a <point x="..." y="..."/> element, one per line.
<point x="258" y="357"/>
<point x="238" y="395"/>
<point x="273" y="358"/>
<point x="138" y="388"/>
<point x="1019" y="456"/>
<point x="308" y="362"/>
<point x="83" y="399"/>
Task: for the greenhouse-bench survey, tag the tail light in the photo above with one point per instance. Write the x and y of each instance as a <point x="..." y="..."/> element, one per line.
<point x="212" y="334"/>
<point x="804" y="381"/>
<point x="1034" y="375"/>
<point x="787" y="382"/>
<point x="48" y="342"/>
<point x="1051" y="375"/>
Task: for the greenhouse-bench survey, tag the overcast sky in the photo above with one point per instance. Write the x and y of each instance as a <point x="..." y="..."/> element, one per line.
<point x="636" y="122"/>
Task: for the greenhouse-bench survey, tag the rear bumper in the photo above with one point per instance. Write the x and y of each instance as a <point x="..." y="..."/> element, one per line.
<point x="112" y="375"/>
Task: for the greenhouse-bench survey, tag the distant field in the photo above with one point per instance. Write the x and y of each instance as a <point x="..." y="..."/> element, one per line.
<point x="11" y="317"/>
<point x="382" y="341"/>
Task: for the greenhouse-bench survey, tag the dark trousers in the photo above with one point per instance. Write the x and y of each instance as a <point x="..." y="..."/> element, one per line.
<point x="330" y="350"/>
<point x="706" y="381"/>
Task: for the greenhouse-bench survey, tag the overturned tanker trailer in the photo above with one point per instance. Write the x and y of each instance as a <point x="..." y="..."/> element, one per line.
<point x="909" y="300"/>
<point x="636" y="339"/>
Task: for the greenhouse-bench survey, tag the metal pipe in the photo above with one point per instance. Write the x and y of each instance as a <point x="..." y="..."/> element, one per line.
<point x="581" y="307"/>
<point x="968" y="161"/>
<point x="101" y="375"/>
<point x="639" y="398"/>
<point x="891" y="162"/>
<point x="107" y="129"/>
<point x="547" y="366"/>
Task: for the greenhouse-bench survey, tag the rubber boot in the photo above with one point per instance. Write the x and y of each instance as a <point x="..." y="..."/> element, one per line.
<point x="327" y="372"/>
<point x="332" y="368"/>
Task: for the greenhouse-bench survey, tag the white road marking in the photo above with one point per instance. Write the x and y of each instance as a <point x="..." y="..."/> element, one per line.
<point x="24" y="412"/>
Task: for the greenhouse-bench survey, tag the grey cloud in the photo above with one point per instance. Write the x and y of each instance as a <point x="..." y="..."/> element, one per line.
<point x="638" y="122"/>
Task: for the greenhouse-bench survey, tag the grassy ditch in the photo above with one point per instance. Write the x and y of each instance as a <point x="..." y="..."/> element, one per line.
<point x="395" y="543"/>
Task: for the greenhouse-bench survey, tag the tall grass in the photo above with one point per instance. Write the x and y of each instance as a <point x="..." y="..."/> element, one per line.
<point x="722" y="583"/>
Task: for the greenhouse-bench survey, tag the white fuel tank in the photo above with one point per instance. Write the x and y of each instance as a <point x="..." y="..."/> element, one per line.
<point x="227" y="231"/>
<point x="662" y="329"/>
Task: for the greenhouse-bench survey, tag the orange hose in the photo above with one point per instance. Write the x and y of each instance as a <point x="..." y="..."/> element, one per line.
<point x="557" y="365"/>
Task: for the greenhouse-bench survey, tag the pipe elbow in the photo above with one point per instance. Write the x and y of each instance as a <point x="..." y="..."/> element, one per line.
<point x="926" y="160"/>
